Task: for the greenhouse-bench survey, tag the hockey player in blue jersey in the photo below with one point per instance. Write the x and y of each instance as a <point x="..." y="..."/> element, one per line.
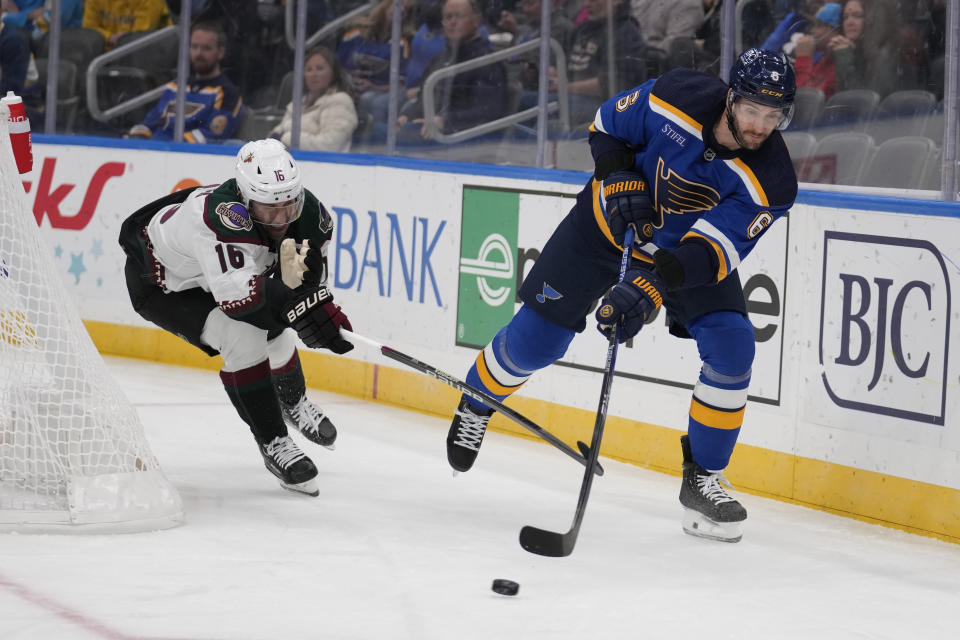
<point x="699" y="169"/>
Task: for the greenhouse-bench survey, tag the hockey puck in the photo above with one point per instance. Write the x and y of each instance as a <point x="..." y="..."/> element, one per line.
<point x="505" y="587"/>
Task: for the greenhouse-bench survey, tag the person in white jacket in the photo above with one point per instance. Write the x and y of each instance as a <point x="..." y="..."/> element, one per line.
<point x="329" y="116"/>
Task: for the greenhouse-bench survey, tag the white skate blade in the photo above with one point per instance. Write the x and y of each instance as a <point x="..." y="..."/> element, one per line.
<point x="696" y="524"/>
<point x="309" y="487"/>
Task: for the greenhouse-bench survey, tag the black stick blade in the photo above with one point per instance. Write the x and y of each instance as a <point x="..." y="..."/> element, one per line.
<point x="585" y="450"/>
<point x="546" y="543"/>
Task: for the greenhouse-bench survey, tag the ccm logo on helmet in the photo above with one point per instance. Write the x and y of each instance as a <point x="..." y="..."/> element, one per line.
<point x="776" y="94"/>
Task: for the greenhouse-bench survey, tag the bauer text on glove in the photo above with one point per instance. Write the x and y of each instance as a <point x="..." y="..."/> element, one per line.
<point x="631" y="302"/>
<point x="317" y="320"/>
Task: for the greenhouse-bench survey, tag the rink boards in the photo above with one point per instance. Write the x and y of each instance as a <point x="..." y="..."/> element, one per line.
<point x="854" y="400"/>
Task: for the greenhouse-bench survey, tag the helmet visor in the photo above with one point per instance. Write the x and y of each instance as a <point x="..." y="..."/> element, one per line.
<point x="776" y="114"/>
<point x="277" y="214"/>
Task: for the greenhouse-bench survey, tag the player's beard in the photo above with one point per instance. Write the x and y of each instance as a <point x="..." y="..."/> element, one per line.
<point x="275" y="233"/>
<point x="751" y="141"/>
<point x="203" y="67"/>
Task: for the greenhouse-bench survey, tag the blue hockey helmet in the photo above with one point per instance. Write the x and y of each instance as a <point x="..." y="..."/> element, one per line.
<point x="767" y="78"/>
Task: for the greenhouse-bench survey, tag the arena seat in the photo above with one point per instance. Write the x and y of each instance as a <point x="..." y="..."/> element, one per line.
<point x="808" y="105"/>
<point x="899" y="163"/>
<point x="839" y="158"/>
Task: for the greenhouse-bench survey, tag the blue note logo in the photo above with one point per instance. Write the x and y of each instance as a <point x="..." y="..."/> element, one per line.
<point x="885" y="326"/>
<point x="548" y="293"/>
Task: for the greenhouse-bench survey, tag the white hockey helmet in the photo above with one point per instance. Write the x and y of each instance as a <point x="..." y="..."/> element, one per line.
<point x="267" y="174"/>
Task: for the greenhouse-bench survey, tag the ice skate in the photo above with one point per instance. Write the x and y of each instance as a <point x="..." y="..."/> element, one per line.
<point x="466" y="434"/>
<point x="284" y="459"/>
<point x="307" y="418"/>
<point x="709" y="511"/>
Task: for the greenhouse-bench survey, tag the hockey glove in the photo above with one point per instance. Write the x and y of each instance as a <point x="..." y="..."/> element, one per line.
<point x="305" y="265"/>
<point x="317" y="320"/>
<point x="628" y="202"/>
<point x="630" y="303"/>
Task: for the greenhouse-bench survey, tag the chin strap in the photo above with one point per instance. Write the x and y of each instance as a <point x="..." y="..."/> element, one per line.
<point x="732" y="126"/>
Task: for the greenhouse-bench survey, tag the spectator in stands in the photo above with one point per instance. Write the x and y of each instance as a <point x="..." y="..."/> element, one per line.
<point x="756" y="22"/>
<point x="213" y="101"/>
<point x="116" y="18"/>
<point x="427" y="43"/>
<point x="14" y="59"/>
<point x="792" y="27"/>
<point x="21" y="13"/>
<point x="866" y="54"/>
<point x="259" y="25"/>
<point x="528" y="28"/>
<point x="662" y="21"/>
<point x="588" y="63"/>
<point x="364" y="54"/>
<point x="328" y="118"/>
<point x="814" y="52"/>
<point x="71" y="17"/>
<point x="525" y="25"/>
<point x="467" y="99"/>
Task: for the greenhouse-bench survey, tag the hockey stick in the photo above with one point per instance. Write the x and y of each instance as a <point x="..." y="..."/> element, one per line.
<point x="480" y="396"/>
<point x="551" y="543"/>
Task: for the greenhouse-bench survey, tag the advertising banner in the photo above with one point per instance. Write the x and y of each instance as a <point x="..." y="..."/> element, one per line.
<point x="853" y="310"/>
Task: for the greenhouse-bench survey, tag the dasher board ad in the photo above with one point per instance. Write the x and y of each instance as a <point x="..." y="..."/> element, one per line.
<point x="883" y="362"/>
<point x="502" y="232"/>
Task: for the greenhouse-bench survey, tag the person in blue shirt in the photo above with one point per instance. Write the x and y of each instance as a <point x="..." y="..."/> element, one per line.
<point x="467" y="99"/>
<point x="14" y="59"/>
<point x="699" y="169"/>
<point x="213" y="103"/>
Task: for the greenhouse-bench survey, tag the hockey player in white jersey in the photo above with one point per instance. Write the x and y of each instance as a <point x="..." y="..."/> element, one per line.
<point x="230" y="268"/>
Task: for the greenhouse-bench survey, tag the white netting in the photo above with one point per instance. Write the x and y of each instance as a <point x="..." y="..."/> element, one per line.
<point x="72" y="449"/>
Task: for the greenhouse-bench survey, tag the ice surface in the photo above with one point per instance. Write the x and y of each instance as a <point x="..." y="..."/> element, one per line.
<point x="397" y="548"/>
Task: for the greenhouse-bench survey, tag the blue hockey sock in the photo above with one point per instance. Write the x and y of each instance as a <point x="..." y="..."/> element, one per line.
<point x="726" y="344"/>
<point x="528" y="343"/>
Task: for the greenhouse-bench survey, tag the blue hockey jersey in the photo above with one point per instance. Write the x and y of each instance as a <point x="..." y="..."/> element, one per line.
<point x="701" y="190"/>
<point x="211" y="113"/>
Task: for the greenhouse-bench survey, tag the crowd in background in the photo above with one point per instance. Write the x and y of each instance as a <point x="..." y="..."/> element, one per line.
<point x="241" y="59"/>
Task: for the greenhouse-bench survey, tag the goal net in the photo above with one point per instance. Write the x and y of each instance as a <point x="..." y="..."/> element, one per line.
<point x="73" y="456"/>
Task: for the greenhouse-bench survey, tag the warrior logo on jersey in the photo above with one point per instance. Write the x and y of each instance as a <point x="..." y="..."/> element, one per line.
<point x="674" y="194"/>
<point x="234" y="216"/>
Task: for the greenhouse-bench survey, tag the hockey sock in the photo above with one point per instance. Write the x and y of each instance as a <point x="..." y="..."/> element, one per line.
<point x="288" y="381"/>
<point x="253" y="396"/>
<point x="528" y="343"/>
<point x="726" y="344"/>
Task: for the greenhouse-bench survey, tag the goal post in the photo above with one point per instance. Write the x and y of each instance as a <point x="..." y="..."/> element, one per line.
<point x="73" y="455"/>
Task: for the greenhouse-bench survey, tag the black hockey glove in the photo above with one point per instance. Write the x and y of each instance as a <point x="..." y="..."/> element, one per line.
<point x="628" y="202"/>
<point x="317" y="320"/>
<point x="630" y="302"/>
<point x="316" y="264"/>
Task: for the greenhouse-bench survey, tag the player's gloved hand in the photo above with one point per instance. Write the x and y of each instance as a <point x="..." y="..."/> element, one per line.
<point x="317" y="320"/>
<point x="628" y="202"/>
<point x="630" y="302"/>
<point x="306" y="265"/>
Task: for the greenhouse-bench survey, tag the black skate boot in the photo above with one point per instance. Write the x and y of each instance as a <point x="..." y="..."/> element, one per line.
<point x="307" y="418"/>
<point x="284" y="459"/>
<point x="465" y="435"/>
<point x="710" y="512"/>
